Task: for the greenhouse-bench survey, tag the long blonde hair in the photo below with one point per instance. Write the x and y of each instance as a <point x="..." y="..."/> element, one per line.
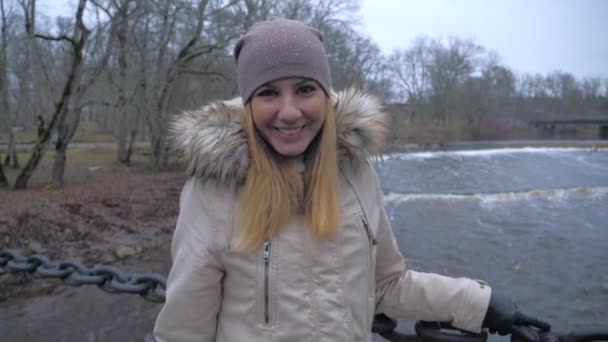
<point x="275" y="190"/>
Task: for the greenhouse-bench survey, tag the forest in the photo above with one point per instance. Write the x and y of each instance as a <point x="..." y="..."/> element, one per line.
<point x="117" y="70"/>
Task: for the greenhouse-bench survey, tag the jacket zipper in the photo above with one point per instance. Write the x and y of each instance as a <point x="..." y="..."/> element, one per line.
<point x="266" y="281"/>
<point x="372" y="243"/>
<point x="370" y="236"/>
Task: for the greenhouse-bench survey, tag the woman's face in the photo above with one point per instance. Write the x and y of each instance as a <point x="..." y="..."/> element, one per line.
<point x="289" y="113"/>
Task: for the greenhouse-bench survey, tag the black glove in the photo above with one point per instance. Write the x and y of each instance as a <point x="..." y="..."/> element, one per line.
<point x="526" y="334"/>
<point x="383" y="324"/>
<point x="503" y="317"/>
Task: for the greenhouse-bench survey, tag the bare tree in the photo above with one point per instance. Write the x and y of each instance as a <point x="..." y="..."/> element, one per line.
<point x="25" y="105"/>
<point x="355" y="60"/>
<point x="452" y="66"/>
<point x="7" y="120"/>
<point x="499" y="83"/>
<point x="77" y="41"/>
<point x="252" y="11"/>
<point x="411" y="70"/>
<point x="487" y="97"/>
<point x="143" y="60"/>
<point x="171" y="64"/>
<point x="591" y="87"/>
<point x="119" y="12"/>
<point x="125" y="127"/>
<point x="4" y="87"/>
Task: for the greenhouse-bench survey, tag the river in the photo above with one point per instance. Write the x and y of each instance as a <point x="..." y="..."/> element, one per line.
<point x="533" y="222"/>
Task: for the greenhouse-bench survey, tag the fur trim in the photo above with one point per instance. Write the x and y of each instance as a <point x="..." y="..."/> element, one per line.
<point x="212" y="140"/>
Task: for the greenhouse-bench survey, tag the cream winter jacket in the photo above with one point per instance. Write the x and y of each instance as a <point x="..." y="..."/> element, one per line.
<point x="295" y="287"/>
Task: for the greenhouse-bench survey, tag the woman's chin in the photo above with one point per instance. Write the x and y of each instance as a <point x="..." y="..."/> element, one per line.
<point x="290" y="150"/>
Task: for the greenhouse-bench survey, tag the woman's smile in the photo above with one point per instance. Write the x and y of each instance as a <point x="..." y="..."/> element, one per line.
<point x="290" y="131"/>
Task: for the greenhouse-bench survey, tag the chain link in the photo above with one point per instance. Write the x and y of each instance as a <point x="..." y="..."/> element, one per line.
<point x="151" y="286"/>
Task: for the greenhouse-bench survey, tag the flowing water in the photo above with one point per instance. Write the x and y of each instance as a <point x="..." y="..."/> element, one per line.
<point x="533" y="222"/>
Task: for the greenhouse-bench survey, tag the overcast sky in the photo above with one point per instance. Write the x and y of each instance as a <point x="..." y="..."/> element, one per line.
<point x="530" y="35"/>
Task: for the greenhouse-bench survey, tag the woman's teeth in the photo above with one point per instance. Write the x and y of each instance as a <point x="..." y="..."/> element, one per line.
<point x="290" y="131"/>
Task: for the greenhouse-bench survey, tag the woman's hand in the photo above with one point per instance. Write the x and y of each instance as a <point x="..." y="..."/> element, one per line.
<point x="503" y="317"/>
<point x="383" y="323"/>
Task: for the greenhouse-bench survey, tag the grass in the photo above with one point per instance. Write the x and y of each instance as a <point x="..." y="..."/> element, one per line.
<point x="88" y="132"/>
<point x="21" y="137"/>
<point x="82" y="164"/>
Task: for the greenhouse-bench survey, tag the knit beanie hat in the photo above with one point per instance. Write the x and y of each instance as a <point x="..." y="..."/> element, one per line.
<point x="280" y="48"/>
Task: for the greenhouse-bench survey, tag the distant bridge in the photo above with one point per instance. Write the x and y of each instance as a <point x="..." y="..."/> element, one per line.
<point x="598" y="121"/>
<point x="548" y="126"/>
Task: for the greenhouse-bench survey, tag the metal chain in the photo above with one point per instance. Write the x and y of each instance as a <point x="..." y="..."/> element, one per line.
<point x="151" y="286"/>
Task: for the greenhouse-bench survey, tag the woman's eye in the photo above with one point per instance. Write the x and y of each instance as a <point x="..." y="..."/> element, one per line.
<point x="266" y="93"/>
<point x="306" y="89"/>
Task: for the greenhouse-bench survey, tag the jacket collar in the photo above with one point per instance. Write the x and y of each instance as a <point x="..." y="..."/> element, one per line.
<point x="213" y="144"/>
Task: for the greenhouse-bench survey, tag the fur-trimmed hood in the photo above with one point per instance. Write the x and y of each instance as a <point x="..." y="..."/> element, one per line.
<point x="212" y="141"/>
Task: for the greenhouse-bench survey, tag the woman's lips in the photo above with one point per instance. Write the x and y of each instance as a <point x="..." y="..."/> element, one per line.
<point x="290" y="131"/>
<point x="289" y="134"/>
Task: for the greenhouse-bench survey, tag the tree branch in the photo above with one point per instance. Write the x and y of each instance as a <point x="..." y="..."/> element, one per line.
<point x="56" y="38"/>
<point x="198" y="72"/>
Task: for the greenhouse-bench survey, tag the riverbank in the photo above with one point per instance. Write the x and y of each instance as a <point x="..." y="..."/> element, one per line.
<point x="452" y="145"/>
<point x="487" y="144"/>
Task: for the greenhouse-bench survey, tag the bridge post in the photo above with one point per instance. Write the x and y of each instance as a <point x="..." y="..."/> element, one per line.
<point x="603" y="132"/>
<point x="548" y="130"/>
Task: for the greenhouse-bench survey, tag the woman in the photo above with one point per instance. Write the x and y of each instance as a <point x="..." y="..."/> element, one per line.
<point x="282" y="234"/>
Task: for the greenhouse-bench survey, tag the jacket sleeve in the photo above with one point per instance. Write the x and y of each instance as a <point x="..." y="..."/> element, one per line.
<point x="423" y="296"/>
<point x="193" y="294"/>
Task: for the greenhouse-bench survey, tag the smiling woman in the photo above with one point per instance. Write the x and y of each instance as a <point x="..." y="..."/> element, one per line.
<point x="282" y="233"/>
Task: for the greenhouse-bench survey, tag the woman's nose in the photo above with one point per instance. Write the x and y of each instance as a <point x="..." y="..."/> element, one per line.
<point x="289" y="111"/>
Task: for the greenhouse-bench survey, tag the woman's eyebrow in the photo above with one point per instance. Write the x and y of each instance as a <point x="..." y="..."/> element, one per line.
<point x="306" y="80"/>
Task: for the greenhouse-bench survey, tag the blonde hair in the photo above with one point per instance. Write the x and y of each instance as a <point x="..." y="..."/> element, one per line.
<point x="275" y="191"/>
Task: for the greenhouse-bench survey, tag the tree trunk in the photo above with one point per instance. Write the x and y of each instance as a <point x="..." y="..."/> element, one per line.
<point x="35" y="157"/>
<point x="164" y="158"/>
<point x="66" y="134"/>
<point x="129" y="150"/>
<point x="121" y="151"/>
<point x="123" y="128"/>
<point x="59" y="165"/>
<point x="12" y="151"/>
<point x="156" y="150"/>
<point x="3" y="180"/>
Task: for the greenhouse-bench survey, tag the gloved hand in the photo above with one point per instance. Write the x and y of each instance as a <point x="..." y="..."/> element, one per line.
<point x="383" y="324"/>
<point x="503" y="317"/>
<point x="526" y="334"/>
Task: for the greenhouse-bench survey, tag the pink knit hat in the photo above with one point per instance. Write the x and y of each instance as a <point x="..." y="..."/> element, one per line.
<point x="280" y="48"/>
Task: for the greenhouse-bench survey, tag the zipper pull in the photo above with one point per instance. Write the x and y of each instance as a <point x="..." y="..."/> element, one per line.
<point x="372" y="239"/>
<point x="266" y="252"/>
